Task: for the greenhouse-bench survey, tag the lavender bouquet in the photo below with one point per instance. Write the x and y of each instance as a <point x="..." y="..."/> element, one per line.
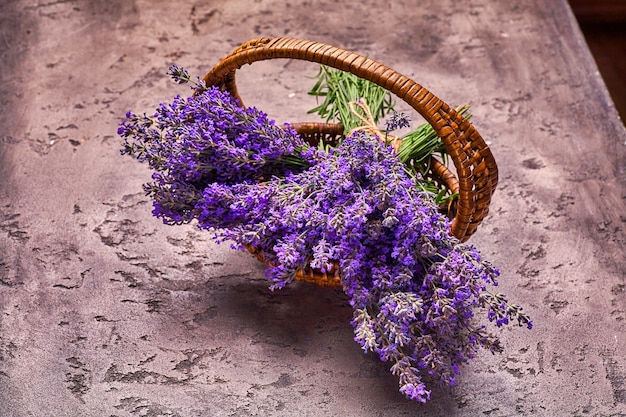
<point x="414" y="288"/>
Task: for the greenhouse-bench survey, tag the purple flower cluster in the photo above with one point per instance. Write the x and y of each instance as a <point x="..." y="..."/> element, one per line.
<point x="414" y="288"/>
<point x="208" y="139"/>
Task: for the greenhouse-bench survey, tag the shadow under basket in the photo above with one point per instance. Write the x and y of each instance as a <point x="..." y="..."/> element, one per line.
<point x="476" y="174"/>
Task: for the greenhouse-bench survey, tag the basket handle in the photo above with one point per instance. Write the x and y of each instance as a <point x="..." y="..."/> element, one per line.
<point x="475" y="165"/>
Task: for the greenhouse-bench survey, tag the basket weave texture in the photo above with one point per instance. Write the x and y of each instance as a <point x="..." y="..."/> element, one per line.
<point x="476" y="174"/>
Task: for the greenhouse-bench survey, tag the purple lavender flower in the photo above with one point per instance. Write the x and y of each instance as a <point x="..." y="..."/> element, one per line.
<point x="415" y="289"/>
<point x="206" y="139"/>
<point x="179" y="74"/>
<point x="397" y="121"/>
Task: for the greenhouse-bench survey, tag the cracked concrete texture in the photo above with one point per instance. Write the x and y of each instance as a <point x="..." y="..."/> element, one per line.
<point x="107" y="312"/>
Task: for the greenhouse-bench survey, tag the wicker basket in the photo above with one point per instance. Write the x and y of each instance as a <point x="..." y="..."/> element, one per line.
<point x="476" y="171"/>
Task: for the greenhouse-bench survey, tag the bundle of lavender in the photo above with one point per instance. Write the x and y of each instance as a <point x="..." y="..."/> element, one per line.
<point x="414" y="288"/>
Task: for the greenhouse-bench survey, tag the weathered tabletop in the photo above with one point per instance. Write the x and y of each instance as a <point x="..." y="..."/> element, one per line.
<point x="106" y="312"/>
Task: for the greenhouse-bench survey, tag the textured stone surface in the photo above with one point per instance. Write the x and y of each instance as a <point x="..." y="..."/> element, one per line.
<point x="106" y="312"/>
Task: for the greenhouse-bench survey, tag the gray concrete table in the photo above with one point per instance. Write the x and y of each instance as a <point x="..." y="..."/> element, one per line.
<point x="104" y="311"/>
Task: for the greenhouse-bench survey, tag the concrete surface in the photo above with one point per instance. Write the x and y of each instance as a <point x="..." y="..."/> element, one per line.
<point x="106" y="312"/>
